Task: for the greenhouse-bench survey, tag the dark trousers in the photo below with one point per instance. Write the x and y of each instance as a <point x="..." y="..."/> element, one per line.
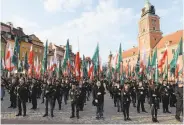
<point x="13" y="101"/>
<point x="179" y="108"/>
<point x="43" y="97"/>
<point x="134" y="100"/>
<point x="65" y="97"/>
<point x="47" y="102"/>
<point x="115" y="100"/>
<point x="58" y="100"/>
<point x="126" y="107"/>
<point x="165" y="102"/>
<point x="34" y="102"/>
<point x="75" y="107"/>
<point x="154" y="109"/>
<point x="99" y="112"/>
<point x="88" y="95"/>
<point x="118" y="102"/>
<point x="21" y="103"/>
<point x="140" y="102"/>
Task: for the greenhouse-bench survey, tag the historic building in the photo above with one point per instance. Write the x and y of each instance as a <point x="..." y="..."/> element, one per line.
<point x="38" y="47"/>
<point x="150" y="37"/>
<point x="3" y="46"/>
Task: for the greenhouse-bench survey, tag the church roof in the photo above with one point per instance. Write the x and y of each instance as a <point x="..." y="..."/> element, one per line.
<point x="172" y="39"/>
<point x="130" y="52"/>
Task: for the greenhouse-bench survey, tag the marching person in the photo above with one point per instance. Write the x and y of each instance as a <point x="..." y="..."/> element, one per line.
<point x="74" y="96"/>
<point x="133" y="93"/>
<point x="57" y="95"/>
<point x="126" y="102"/>
<point x="165" y="97"/>
<point x="22" y="97"/>
<point x="141" y="98"/>
<point x="154" y="101"/>
<point x="117" y="95"/>
<point x="34" y="94"/>
<point x="179" y="103"/>
<point x="98" y="93"/>
<point x="49" y="95"/>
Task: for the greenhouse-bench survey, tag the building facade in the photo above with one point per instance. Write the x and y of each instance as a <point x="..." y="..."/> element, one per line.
<point x="150" y="37"/>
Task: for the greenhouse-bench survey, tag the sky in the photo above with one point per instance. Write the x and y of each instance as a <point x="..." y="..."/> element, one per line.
<point x="88" y="22"/>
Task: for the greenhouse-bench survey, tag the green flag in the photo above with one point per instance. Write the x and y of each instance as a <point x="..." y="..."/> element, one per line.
<point x="15" y="53"/>
<point x="67" y="55"/>
<point x="156" y="71"/>
<point x="178" y="52"/>
<point x="95" y="59"/>
<point x="44" y="61"/>
<point x="84" y="66"/>
<point x="137" y="67"/>
<point x="119" y="60"/>
<point x="153" y="61"/>
<point x="20" y="66"/>
<point x="26" y="65"/>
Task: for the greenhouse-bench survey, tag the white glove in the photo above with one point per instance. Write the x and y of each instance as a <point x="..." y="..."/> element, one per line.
<point x="141" y="93"/>
<point x="99" y="93"/>
<point x="96" y="100"/>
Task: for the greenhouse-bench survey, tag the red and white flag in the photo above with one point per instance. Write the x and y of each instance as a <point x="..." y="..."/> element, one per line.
<point x="30" y="61"/>
<point x="8" y="63"/>
<point x="163" y="59"/>
<point x="77" y="66"/>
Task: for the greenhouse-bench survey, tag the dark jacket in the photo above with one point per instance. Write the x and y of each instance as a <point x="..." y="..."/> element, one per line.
<point x="99" y="94"/>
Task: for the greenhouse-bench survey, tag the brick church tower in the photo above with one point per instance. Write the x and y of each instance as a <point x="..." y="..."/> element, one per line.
<point x="149" y="28"/>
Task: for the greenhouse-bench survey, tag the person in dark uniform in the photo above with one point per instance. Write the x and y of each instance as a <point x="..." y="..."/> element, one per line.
<point x="172" y="95"/>
<point x="34" y="92"/>
<point x="66" y="91"/>
<point x="22" y="97"/>
<point x="49" y="95"/>
<point x="117" y="95"/>
<point x="98" y="94"/>
<point x="133" y="93"/>
<point x="140" y="98"/>
<point x="12" y="91"/>
<point x="125" y="95"/>
<point x="154" y="101"/>
<point x="57" y="95"/>
<point x="179" y="103"/>
<point x="74" y="96"/>
<point x="165" y="97"/>
<point x="44" y="84"/>
<point x="114" y="87"/>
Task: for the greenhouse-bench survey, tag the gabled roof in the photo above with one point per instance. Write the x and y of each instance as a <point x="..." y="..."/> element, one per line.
<point x="130" y="52"/>
<point x="173" y="38"/>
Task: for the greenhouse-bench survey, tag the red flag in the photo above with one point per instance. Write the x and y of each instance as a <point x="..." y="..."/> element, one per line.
<point x="30" y="61"/>
<point x="90" y="72"/>
<point x="77" y="66"/>
<point x="162" y="60"/>
<point x="177" y="70"/>
<point x="8" y="62"/>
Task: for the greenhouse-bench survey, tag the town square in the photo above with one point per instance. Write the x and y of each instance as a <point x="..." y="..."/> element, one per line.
<point x="92" y="62"/>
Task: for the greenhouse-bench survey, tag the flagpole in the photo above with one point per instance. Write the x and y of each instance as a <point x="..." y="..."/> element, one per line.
<point x="167" y="69"/>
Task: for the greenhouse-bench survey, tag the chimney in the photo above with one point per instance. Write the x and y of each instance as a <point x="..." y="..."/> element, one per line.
<point x="19" y="28"/>
<point x="10" y="24"/>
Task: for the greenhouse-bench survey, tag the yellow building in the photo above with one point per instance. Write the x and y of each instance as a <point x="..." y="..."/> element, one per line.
<point x="38" y="47"/>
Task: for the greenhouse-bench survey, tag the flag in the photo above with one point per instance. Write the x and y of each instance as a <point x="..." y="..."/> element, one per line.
<point x="44" y="61"/>
<point x="95" y="59"/>
<point x="26" y="65"/>
<point x="153" y="61"/>
<point x="162" y="60"/>
<point x="177" y="69"/>
<point x="2" y="64"/>
<point x="30" y="61"/>
<point x="178" y="52"/>
<point x="84" y="66"/>
<point x="20" y="66"/>
<point x="90" y="72"/>
<point x="143" y="61"/>
<point x="77" y="66"/>
<point x="15" y="53"/>
<point x="137" y="68"/>
<point x="66" y="56"/>
<point x="148" y="66"/>
<point x="156" y="71"/>
<point x="55" y="59"/>
<point x="119" y="59"/>
<point x="8" y="62"/>
<point x="114" y="61"/>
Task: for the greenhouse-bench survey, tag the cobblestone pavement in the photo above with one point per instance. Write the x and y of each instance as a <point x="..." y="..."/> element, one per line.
<point x="111" y="116"/>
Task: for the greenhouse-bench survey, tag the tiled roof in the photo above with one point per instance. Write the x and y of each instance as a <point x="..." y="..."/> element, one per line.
<point x="130" y="52"/>
<point x="172" y="39"/>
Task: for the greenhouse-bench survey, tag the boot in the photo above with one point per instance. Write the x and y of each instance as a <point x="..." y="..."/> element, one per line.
<point x="19" y="114"/>
<point x="45" y="115"/>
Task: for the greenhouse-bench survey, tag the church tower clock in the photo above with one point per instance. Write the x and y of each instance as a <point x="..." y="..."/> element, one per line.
<point x="149" y="28"/>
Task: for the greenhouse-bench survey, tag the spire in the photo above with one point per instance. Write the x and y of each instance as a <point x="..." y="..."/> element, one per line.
<point x="147" y="4"/>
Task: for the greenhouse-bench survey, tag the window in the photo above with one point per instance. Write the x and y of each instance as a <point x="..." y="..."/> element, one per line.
<point x="162" y="52"/>
<point x="173" y="51"/>
<point x="133" y="53"/>
<point x="153" y="28"/>
<point x="35" y="50"/>
<point x="153" y="21"/>
<point x="155" y="39"/>
<point x="143" y="30"/>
